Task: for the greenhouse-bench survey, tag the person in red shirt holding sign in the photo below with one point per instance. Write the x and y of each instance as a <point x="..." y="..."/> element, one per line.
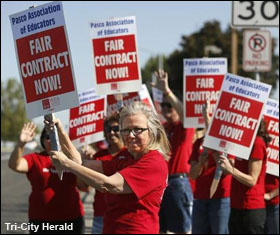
<point x="51" y="202"/>
<point x="134" y="180"/>
<point x="210" y="215"/>
<point x="115" y="145"/>
<point x="271" y="197"/>
<point x="247" y="214"/>
<point x="175" y="212"/>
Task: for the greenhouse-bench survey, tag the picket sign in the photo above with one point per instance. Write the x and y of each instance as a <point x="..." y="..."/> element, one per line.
<point x="115" y="58"/>
<point x="271" y="116"/>
<point x="44" y="59"/>
<point x="203" y="78"/>
<point x="86" y="121"/>
<point x="235" y="122"/>
<point x="44" y="63"/>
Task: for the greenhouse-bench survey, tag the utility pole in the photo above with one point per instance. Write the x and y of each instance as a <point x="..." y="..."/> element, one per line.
<point x="234" y="51"/>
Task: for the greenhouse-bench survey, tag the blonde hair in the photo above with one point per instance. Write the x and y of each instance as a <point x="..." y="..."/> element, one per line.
<point x="158" y="138"/>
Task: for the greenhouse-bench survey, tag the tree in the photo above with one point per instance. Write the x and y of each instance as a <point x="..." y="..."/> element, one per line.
<point x="13" y="114"/>
<point x="193" y="46"/>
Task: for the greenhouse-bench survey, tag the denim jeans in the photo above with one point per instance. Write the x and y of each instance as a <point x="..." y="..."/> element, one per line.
<point x="176" y="207"/>
<point x="271" y="225"/>
<point x="211" y="216"/>
<point x="97" y="225"/>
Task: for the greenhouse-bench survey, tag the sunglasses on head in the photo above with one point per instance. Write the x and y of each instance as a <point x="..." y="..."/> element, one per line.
<point x="163" y="104"/>
<point x="108" y="129"/>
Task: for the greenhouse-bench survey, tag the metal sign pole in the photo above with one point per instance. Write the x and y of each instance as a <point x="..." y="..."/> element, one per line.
<point x="257" y="76"/>
<point x="55" y="145"/>
<point x="216" y="179"/>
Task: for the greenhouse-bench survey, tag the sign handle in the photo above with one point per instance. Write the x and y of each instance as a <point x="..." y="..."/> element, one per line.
<point x="257" y="77"/>
<point x="216" y="179"/>
<point x="55" y="145"/>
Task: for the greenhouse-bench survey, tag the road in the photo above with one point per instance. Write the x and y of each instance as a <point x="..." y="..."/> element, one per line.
<point x="15" y="190"/>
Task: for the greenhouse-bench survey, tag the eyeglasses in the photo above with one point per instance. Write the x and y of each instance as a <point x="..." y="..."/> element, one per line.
<point x="163" y="104"/>
<point x="135" y="131"/>
<point x="108" y="129"/>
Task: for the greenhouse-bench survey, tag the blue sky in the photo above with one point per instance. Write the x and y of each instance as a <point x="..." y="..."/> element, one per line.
<point x="160" y="26"/>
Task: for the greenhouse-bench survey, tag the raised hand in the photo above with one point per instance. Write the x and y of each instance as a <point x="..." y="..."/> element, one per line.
<point x="27" y="133"/>
<point x="162" y="81"/>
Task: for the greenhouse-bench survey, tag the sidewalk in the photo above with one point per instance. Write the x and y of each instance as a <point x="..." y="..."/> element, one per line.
<point x="87" y="199"/>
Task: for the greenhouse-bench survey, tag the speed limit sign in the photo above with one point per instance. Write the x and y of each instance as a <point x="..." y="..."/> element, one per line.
<point x="255" y="14"/>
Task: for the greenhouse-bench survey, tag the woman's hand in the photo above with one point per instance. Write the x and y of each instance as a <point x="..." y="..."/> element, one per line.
<point x="50" y="123"/>
<point x="225" y="164"/>
<point x="272" y="194"/>
<point x="162" y="81"/>
<point x="87" y="153"/>
<point x="267" y="197"/>
<point x="67" y="146"/>
<point x="59" y="159"/>
<point x="27" y="133"/>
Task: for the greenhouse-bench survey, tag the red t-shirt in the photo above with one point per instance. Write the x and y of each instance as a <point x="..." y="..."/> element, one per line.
<point x="181" y="147"/>
<point x="51" y="199"/>
<point x="242" y="196"/>
<point x="204" y="181"/>
<point x="137" y="212"/>
<point x="271" y="183"/>
<point x="99" y="204"/>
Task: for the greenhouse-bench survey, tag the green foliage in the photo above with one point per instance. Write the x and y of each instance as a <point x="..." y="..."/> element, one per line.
<point x="13" y="114"/>
<point x="193" y="46"/>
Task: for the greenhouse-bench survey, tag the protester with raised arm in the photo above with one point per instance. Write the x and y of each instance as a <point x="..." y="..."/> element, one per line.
<point x="175" y="212"/>
<point x="52" y="202"/>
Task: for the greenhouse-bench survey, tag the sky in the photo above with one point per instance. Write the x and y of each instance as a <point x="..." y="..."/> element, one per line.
<point x="160" y="26"/>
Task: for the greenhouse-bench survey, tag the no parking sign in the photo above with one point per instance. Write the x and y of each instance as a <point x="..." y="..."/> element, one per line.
<point x="256" y="51"/>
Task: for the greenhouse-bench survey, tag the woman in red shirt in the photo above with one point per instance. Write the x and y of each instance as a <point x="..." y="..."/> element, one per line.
<point x="210" y="215"/>
<point x="51" y="202"/>
<point x="248" y="187"/>
<point x="135" y="179"/>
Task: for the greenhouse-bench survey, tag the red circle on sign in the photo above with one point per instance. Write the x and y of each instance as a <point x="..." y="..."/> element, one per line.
<point x="257" y="43"/>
